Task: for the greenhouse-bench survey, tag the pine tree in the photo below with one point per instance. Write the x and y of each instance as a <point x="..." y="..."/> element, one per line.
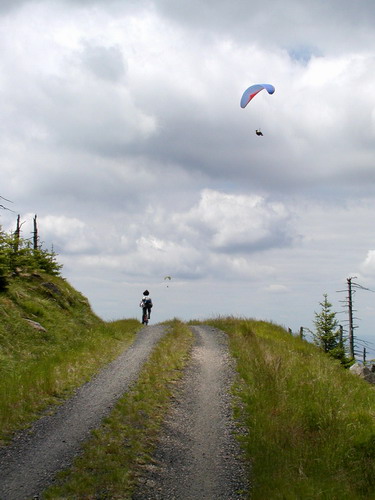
<point x="327" y="335"/>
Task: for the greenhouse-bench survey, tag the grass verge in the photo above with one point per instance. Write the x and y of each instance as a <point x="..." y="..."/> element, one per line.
<point x="31" y="381"/>
<point x="310" y="423"/>
<point x="113" y="458"/>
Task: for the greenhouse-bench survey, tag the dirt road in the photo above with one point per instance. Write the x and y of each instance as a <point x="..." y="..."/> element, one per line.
<point x="28" y="466"/>
<point x="197" y="457"/>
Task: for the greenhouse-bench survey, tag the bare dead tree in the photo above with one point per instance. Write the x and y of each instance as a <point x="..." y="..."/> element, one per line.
<point x="352" y="287"/>
<point x="35" y="234"/>
<point x="17" y="233"/>
<point x="350" y="318"/>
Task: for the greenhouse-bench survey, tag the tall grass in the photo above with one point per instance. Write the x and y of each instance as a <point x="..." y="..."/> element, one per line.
<point x="30" y="386"/>
<point x="310" y="423"/>
<point x="38" y="367"/>
<point x="115" y="455"/>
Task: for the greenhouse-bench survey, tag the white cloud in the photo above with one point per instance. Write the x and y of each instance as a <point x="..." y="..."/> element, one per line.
<point x="368" y="265"/>
<point x="70" y="235"/>
<point x="276" y="288"/>
<point x="236" y="223"/>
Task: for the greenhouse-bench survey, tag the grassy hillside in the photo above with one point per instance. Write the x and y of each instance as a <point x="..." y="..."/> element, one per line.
<point x="50" y="341"/>
<point x="310" y="424"/>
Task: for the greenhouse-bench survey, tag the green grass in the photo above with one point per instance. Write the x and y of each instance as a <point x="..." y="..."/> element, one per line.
<point x="114" y="456"/>
<point x="310" y="423"/>
<point x="38" y="368"/>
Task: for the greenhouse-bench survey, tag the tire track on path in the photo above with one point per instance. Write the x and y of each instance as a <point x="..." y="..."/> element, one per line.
<point x="29" y="464"/>
<point x="198" y="456"/>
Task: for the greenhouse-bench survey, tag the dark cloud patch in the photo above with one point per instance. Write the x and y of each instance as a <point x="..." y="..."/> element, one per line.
<point x="10" y="5"/>
<point x="303" y="53"/>
<point x="276" y="238"/>
<point x="283" y="23"/>
<point x="104" y="62"/>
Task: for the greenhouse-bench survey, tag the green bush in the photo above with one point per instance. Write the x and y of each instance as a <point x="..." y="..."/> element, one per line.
<point x="18" y="255"/>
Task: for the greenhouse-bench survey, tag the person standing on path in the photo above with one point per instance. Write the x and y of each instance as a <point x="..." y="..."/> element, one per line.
<point x="146" y="304"/>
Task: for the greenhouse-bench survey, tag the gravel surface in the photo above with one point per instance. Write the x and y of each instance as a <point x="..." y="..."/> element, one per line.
<point x="29" y="464"/>
<point x="198" y="456"/>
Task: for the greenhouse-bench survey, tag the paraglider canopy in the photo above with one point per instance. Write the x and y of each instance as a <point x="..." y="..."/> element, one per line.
<point x="253" y="91"/>
<point x="167" y="278"/>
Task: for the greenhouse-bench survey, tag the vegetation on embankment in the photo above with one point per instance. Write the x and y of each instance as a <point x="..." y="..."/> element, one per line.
<point x="116" y="453"/>
<point x="50" y="343"/>
<point x="310" y="424"/>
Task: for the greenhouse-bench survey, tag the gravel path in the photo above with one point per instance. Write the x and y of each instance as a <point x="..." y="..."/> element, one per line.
<point x="28" y="466"/>
<point x="198" y="457"/>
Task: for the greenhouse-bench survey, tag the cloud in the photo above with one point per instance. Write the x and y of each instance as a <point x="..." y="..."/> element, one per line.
<point x="104" y="62"/>
<point x="71" y="235"/>
<point x="237" y="223"/>
<point x="9" y="5"/>
<point x="219" y="236"/>
<point x="131" y="94"/>
<point x="276" y="288"/>
<point x="286" y="23"/>
<point x="368" y="265"/>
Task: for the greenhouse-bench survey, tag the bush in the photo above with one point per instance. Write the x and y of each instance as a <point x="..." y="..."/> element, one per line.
<point x="17" y="254"/>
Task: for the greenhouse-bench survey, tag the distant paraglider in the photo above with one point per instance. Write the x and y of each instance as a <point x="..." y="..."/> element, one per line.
<point x="251" y="92"/>
<point x="167" y="278"/>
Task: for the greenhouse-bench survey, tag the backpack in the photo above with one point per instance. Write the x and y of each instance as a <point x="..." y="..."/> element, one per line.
<point x="147" y="303"/>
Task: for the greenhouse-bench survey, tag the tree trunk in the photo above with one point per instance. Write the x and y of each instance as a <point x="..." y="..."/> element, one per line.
<point x="35" y="234"/>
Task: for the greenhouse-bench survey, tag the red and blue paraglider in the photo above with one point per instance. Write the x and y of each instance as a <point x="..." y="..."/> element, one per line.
<point x="251" y="92"/>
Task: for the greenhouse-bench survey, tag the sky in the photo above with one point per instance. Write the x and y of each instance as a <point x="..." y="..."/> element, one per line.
<point x="121" y="129"/>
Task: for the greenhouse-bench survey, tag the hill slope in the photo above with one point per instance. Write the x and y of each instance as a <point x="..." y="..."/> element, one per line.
<point x="309" y="424"/>
<point x="50" y="341"/>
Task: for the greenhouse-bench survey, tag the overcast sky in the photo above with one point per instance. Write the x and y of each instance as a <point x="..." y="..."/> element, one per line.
<point x="121" y="129"/>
